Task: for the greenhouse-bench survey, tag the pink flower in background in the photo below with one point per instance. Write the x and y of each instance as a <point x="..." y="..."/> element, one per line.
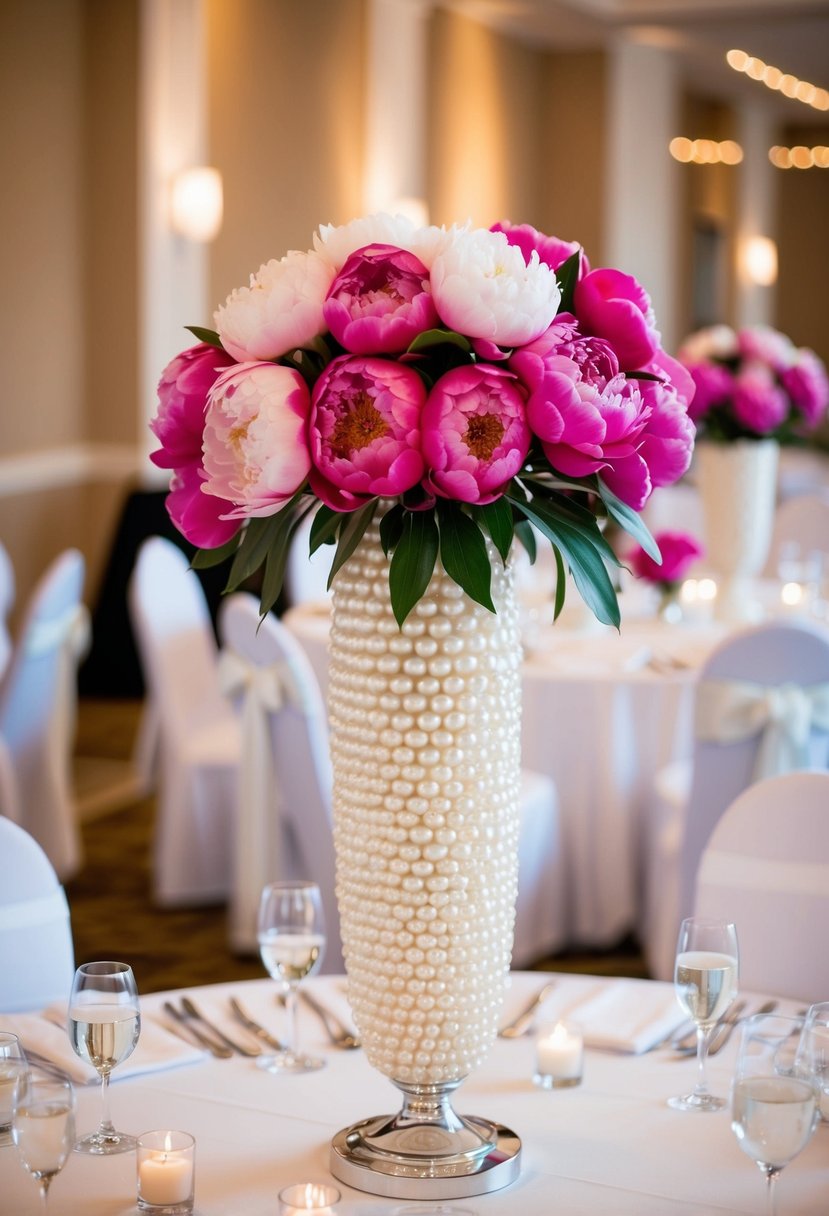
<point x="365" y="430"/>
<point x="483" y="288"/>
<point x="280" y="312"/>
<point x="550" y="249"/>
<point x="714" y="386"/>
<point x="255" y="447"/>
<point x="182" y="402"/>
<point x="762" y="344"/>
<point x="614" y="306"/>
<point x="679" y="552"/>
<point x="475" y="433"/>
<point x="759" y="404"/>
<point x="807" y="385"/>
<point x="197" y="515"/>
<point x="380" y="301"/>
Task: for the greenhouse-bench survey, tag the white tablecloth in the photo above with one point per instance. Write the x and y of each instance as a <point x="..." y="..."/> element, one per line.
<point x="610" y="1146"/>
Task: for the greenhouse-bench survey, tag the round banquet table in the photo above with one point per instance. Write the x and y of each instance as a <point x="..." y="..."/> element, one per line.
<point x="610" y="1145"/>
<point x="603" y="711"/>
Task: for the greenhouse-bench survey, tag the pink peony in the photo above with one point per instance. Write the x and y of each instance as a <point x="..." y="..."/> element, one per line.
<point x="280" y="312"/>
<point x="806" y="383"/>
<point x="550" y="249"/>
<point x="255" y="448"/>
<point x="475" y="433"/>
<point x="667" y="439"/>
<point x="763" y="344"/>
<point x="614" y="306"/>
<point x="200" y="517"/>
<point x="182" y="401"/>
<point x="380" y="301"/>
<point x="714" y="385"/>
<point x="679" y="552"/>
<point x="365" y="430"/>
<point x="758" y="402"/>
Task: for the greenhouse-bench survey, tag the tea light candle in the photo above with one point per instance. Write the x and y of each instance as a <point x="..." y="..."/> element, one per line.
<point x="559" y="1056"/>
<point x="165" y="1164"/>
<point x="304" y="1198"/>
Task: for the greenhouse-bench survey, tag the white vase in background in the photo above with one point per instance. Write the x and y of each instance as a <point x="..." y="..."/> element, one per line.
<point x="738" y="486"/>
<point x="425" y="747"/>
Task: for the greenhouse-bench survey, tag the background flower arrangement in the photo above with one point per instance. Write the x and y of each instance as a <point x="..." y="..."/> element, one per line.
<point x="474" y="381"/>
<point x="679" y="551"/>
<point x="754" y="383"/>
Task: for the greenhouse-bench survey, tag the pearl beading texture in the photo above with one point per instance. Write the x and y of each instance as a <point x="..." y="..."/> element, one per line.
<point x="425" y="747"/>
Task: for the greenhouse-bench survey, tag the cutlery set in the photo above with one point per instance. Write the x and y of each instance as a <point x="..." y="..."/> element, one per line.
<point x="684" y="1043"/>
<point x="189" y="1019"/>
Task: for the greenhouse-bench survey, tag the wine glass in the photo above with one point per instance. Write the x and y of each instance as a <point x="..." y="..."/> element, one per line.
<point x="773" y="1103"/>
<point x="104" y="1024"/>
<point x="813" y="1053"/>
<point x="13" y="1067"/>
<point x="705" y="979"/>
<point x="291" y="932"/>
<point x="43" y="1127"/>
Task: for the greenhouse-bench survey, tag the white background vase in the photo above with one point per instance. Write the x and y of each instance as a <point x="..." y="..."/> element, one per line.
<point x="738" y="487"/>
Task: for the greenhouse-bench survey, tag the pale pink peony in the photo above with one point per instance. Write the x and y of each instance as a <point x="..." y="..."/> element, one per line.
<point x="763" y="344"/>
<point x="483" y="288"/>
<point x="475" y="433"/>
<point x="614" y="306"/>
<point x="550" y="249"/>
<point x="806" y="383"/>
<point x="336" y="244"/>
<point x="679" y="552"/>
<point x="380" y="301"/>
<point x="255" y="446"/>
<point x="758" y="402"/>
<point x="200" y="517"/>
<point x="182" y="402"/>
<point x="280" y="312"/>
<point x="365" y="430"/>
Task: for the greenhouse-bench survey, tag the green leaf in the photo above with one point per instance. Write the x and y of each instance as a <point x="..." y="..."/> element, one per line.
<point x="413" y="562"/>
<point x="275" y="564"/>
<point x="497" y="519"/>
<point x="463" y="553"/>
<point x="205" y="335"/>
<point x="525" y="534"/>
<point x="204" y="559"/>
<point x="632" y="522"/>
<point x="567" y="276"/>
<point x="351" y="533"/>
<point x="324" y="527"/>
<point x="561" y="514"/>
<point x="260" y="534"/>
<point x="438" y="337"/>
<point x="391" y="528"/>
<point x="561" y="583"/>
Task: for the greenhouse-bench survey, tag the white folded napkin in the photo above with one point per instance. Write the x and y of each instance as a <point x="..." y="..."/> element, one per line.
<point x="156" y="1048"/>
<point x="628" y="1015"/>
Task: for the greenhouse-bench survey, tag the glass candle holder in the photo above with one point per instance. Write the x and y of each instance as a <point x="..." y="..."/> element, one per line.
<point x="559" y="1056"/>
<point x="166" y="1165"/>
<point x="308" y="1199"/>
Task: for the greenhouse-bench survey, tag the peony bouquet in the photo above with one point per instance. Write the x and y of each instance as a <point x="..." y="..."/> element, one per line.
<point x="464" y="383"/>
<point x="754" y="383"/>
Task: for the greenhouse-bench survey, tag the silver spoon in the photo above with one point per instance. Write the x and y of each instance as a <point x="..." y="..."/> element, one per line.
<point x="524" y="1020"/>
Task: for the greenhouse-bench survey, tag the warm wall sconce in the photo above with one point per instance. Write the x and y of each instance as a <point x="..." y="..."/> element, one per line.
<point x="760" y="260"/>
<point x="196" y="203"/>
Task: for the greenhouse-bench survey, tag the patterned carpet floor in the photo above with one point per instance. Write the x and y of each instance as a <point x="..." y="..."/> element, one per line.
<point x="113" y="914"/>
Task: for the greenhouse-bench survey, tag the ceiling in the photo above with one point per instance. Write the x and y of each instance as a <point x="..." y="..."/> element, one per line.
<point x="791" y="34"/>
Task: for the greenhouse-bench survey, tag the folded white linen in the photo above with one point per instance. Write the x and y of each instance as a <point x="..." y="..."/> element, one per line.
<point x="156" y="1049"/>
<point x="627" y="1015"/>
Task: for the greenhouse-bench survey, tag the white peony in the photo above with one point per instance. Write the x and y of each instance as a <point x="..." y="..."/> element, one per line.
<point x="280" y="311"/>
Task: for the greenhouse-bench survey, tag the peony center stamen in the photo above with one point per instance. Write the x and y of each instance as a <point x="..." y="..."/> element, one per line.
<point x="359" y="427"/>
<point x="484" y="433"/>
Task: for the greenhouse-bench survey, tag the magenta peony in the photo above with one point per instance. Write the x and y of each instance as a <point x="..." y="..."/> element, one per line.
<point x="550" y="249"/>
<point x="679" y="552"/>
<point x="182" y="402"/>
<point x="614" y="306"/>
<point x="380" y="301"/>
<point x="199" y="517"/>
<point x="475" y="433"/>
<point x="758" y="403"/>
<point x="807" y="385"/>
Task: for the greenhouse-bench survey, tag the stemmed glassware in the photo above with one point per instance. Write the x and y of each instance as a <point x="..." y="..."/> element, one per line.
<point x="291" y="931"/>
<point x="813" y="1053"/>
<point x="43" y="1127"/>
<point x="705" y="979"/>
<point x="773" y="1099"/>
<point x="13" y="1066"/>
<point x="104" y="1024"/>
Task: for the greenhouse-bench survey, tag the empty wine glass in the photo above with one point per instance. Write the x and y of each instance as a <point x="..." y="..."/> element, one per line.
<point x="813" y="1053"/>
<point x="705" y="980"/>
<point x="104" y="1024"/>
<point x="43" y="1127"/>
<point x="291" y="932"/>
<point x="773" y="1104"/>
<point x="13" y="1067"/>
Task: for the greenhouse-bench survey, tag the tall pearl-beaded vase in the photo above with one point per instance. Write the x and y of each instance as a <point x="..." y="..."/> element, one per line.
<point x="425" y="746"/>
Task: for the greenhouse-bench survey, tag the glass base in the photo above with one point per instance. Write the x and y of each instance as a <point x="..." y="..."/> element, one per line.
<point x="165" y="1209"/>
<point x="286" y="1061"/>
<point x="696" y="1102"/>
<point x="97" y="1144"/>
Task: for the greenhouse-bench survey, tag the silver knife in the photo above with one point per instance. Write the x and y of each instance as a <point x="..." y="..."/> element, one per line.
<point x="522" y="1022"/>
<point x="216" y="1049"/>
<point x="725" y="1030"/>
<point x="254" y="1027"/>
<point x="241" y="1048"/>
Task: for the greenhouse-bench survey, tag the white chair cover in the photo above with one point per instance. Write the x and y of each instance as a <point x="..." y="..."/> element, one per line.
<point x="803" y="521"/>
<point x="197" y="732"/>
<point x="766" y="868"/>
<point x="36" y="954"/>
<point x="6" y="604"/>
<point x="38" y="702"/>
<point x="755" y="693"/>
<point x="306" y="574"/>
<point x="283" y="815"/>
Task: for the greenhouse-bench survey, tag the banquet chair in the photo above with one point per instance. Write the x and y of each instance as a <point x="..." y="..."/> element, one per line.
<point x="306" y="574"/>
<point x="761" y="708"/>
<point x="37" y="960"/>
<point x="766" y="868"/>
<point x="38" y="703"/>
<point x="197" y="731"/>
<point x="6" y="603"/>
<point x="801" y="524"/>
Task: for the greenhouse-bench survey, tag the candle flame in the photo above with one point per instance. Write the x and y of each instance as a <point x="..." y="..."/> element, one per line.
<point x="168" y="1143"/>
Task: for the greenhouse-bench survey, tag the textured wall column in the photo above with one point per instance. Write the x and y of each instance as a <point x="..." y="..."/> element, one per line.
<point x="757" y="201"/>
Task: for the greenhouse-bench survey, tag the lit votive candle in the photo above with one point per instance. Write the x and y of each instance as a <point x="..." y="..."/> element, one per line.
<point x="559" y="1056"/>
<point x="308" y="1199"/>
<point x="166" y="1173"/>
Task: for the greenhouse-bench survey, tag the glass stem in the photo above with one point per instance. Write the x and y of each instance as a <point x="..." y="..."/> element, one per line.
<point x="44" y="1191"/>
<point x="702" y="1054"/>
<point x="291" y="1010"/>
<point x="771" y="1191"/>
<point x="106" y="1128"/>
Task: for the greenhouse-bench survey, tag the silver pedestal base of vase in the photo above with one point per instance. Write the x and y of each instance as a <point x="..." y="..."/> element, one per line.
<point x="426" y="1151"/>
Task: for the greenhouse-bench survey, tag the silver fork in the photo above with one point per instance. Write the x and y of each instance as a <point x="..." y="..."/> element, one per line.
<point x="338" y="1033"/>
<point x="242" y="1048"/>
